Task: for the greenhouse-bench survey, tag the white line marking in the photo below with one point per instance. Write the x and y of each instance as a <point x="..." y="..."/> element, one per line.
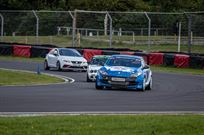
<point x="65" y="78"/>
<point x="30" y="114"/>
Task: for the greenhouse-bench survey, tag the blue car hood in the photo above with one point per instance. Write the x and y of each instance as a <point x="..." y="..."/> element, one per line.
<point x="120" y="71"/>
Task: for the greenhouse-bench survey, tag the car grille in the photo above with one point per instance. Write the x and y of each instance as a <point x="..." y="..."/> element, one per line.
<point x="76" y="62"/>
<point x="128" y="81"/>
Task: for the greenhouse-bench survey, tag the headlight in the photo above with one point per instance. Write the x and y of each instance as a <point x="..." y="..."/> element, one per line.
<point x="136" y="74"/>
<point x="103" y="72"/>
<point x="66" y="61"/>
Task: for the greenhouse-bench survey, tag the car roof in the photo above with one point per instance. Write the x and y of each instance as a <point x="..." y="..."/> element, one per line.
<point x="66" y="49"/>
<point x="101" y="56"/>
<point x="128" y="56"/>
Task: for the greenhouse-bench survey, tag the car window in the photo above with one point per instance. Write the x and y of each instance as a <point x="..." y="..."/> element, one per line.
<point x="127" y="62"/>
<point x="98" y="61"/>
<point x="69" y="52"/>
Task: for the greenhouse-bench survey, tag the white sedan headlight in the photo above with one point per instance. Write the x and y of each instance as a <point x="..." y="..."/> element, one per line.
<point x="136" y="74"/>
<point x="67" y="61"/>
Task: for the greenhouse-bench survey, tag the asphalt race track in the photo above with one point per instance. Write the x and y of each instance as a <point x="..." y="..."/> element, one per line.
<point x="171" y="92"/>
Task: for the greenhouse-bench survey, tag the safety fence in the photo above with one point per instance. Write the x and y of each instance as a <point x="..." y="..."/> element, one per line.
<point x="175" y="59"/>
<point x="107" y="27"/>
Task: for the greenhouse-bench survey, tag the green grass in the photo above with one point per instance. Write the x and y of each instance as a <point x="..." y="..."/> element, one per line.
<point x="21" y="58"/>
<point x="97" y="42"/>
<point x="177" y="70"/>
<point x="104" y="125"/>
<point x="23" y="78"/>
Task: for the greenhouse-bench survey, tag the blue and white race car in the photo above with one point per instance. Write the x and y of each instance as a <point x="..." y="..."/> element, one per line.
<point x="124" y="71"/>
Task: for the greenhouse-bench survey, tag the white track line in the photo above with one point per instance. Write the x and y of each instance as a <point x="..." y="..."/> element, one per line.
<point x="65" y="78"/>
<point x="30" y="114"/>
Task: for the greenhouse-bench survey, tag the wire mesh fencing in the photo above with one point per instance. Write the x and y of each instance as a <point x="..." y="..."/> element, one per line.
<point x="138" y="30"/>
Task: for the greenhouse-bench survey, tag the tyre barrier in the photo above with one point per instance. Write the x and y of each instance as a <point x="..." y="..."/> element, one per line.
<point x="6" y="49"/>
<point x="168" y="59"/>
<point x="89" y="53"/>
<point x="21" y="51"/>
<point x="156" y="58"/>
<point x="180" y="60"/>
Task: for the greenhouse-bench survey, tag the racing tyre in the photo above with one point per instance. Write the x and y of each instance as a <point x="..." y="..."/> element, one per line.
<point x="98" y="87"/>
<point x="58" y="66"/>
<point x="149" y="86"/>
<point x="87" y="78"/>
<point x="143" y="86"/>
<point x="46" y="67"/>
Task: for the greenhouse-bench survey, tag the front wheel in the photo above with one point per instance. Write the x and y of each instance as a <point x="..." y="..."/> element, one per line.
<point x="58" y="66"/>
<point x="149" y="86"/>
<point x="46" y="67"/>
<point x="87" y="78"/>
<point x="98" y="87"/>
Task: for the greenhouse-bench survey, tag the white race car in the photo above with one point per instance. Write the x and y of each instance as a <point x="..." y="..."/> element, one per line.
<point x="96" y="63"/>
<point x="63" y="58"/>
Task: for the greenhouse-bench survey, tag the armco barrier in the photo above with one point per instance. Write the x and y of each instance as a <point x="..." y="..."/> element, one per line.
<point x="37" y="51"/>
<point x="156" y="58"/>
<point x="21" y="51"/>
<point x="196" y="62"/>
<point x="89" y="53"/>
<point x="6" y="49"/>
<point x="181" y="60"/>
<point x="144" y="55"/>
<point x="168" y="59"/>
<point x="107" y="52"/>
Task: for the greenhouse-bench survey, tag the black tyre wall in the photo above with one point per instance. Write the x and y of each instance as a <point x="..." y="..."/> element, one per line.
<point x="6" y="49"/>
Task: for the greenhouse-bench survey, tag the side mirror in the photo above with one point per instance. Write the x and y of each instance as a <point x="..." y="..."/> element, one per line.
<point x="55" y="53"/>
<point x="146" y="67"/>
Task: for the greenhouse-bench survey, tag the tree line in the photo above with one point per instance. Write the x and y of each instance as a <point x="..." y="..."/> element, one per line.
<point x="105" y="5"/>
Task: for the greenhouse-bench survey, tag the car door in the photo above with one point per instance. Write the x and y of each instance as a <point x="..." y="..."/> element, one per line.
<point x="53" y="57"/>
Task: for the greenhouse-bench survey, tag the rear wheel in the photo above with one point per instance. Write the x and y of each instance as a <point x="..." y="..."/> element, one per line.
<point x="46" y="67"/>
<point x="98" y="87"/>
<point x="58" y="66"/>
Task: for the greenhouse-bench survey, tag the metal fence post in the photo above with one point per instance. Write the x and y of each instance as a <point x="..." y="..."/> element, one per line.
<point x="149" y="30"/>
<point x="37" y="26"/>
<point x="111" y="33"/>
<point x="179" y="37"/>
<point x="189" y="17"/>
<point x="2" y="25"/>
<point x="74" y="29"/>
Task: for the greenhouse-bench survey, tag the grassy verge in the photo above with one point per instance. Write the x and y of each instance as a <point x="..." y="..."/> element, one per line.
<point x="21" y="58"/>
<point x="23" y="78"/>
<point x="178" y="70"/>
<point x="98" y="42"/>
<point x="104" y="125"/>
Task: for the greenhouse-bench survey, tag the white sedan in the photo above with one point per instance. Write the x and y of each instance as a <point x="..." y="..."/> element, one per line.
<point x="63" y="58"/>
<point x="96" y="63"/>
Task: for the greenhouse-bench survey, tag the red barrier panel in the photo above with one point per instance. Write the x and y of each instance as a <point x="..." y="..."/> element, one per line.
<point x="21" y="51"/>
<point x="89" y="53"/>
<point x="127" y="53"/>
<point x="181" y="60"/>
<point x="156" y="58"/>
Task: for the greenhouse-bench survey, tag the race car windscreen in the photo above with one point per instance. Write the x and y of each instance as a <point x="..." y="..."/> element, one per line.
<point x="124" y="62"/>
<point x="98" y="61"/>
<point x="69" y="52"/>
